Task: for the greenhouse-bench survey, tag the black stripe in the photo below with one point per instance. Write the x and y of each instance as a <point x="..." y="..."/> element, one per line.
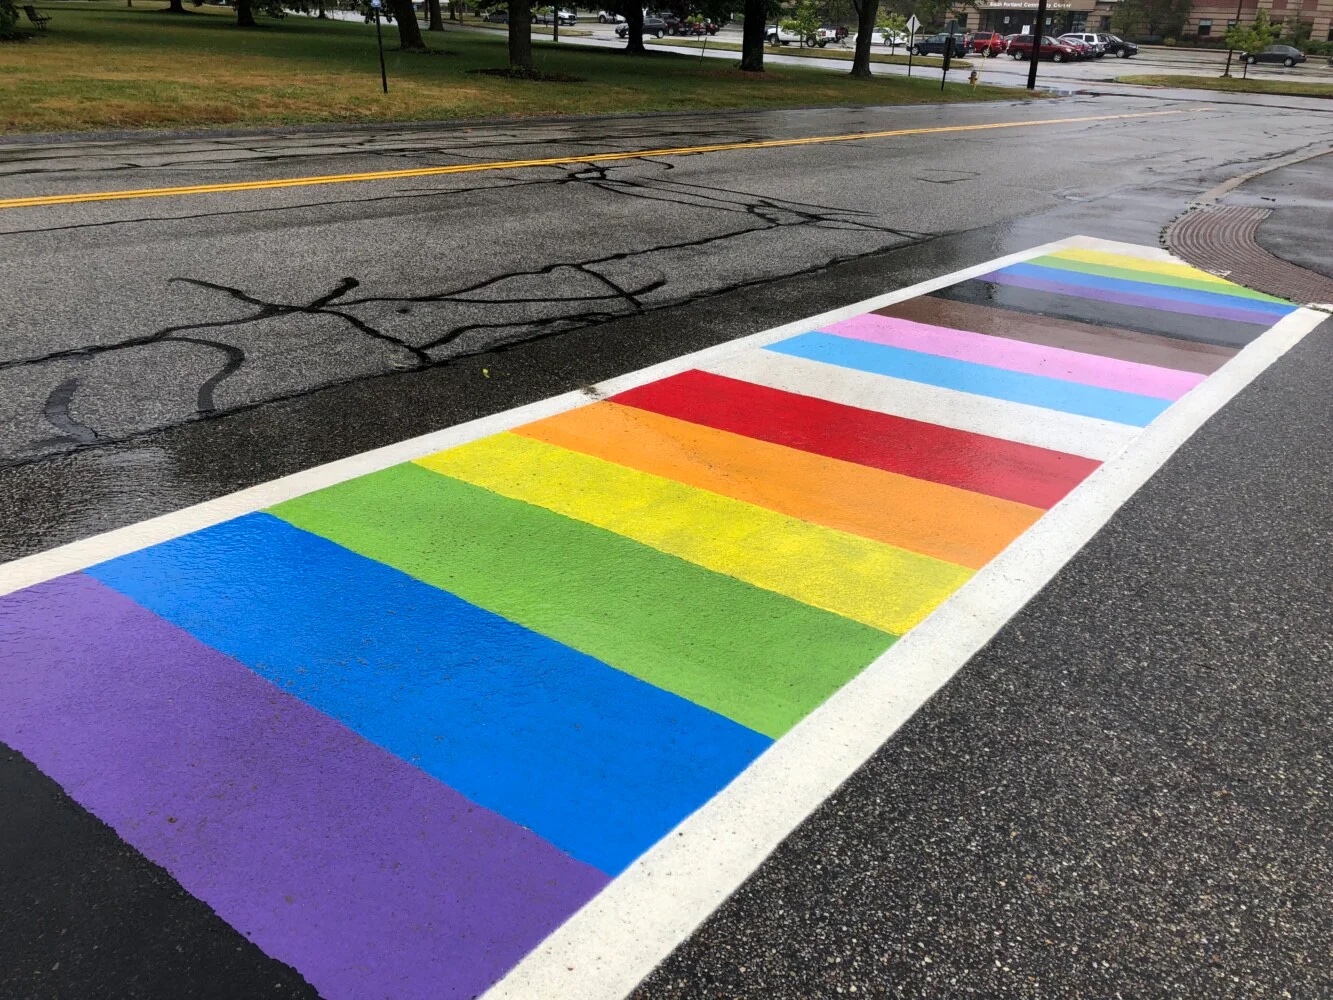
<point x="83" y="914"/>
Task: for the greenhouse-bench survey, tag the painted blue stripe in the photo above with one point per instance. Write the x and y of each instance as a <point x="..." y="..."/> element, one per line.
<point x="596" y="761"/>
<point x="1078" y="280"/>
<point x="982" y="380"/>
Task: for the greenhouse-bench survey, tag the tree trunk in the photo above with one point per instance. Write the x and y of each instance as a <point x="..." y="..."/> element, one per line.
<point x="245" y="14"/>
<point x="436" y="21"/>
<point x="520" y="34"/>
<point x="409" y="31"/>
<point x="866" y="12"/>
<point x="752" y="36"/>
<point x="323" y="14"/>
<point x="177" y="7"/>
<point x="456" y="11"/>
<point x="634" y="21"/>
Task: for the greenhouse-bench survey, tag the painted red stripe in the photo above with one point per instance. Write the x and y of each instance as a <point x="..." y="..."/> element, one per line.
<point x="974" y="462"/>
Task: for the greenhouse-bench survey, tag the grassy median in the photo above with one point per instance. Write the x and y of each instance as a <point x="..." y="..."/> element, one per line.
<point x="1233" y="85"/>
<point x="103" y="65"/>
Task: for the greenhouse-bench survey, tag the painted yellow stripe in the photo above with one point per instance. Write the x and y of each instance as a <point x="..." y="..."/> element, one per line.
<point x="1141" y="264"/>
<point x="873" y="583"/>
<point x="473" y="168"/>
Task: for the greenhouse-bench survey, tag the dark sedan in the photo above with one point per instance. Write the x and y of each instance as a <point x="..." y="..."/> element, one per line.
<point x="653" y="27"/>
<point x="1284" y="54"/>
<point x="1118" y="47"/>
<point x="933" y="45"/>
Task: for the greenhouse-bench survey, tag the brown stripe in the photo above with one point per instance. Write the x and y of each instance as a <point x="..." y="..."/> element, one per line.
<point x="1109" y="342"/>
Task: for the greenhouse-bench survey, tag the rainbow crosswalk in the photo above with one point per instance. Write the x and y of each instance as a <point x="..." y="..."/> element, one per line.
<point x="399" y="729"/>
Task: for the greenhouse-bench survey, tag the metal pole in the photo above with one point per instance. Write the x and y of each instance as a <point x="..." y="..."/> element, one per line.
<point x="911" y="47"/>
<point x="555" y="24"/>
<point x="1038" y="33"/>
<point x="379" y="38"/>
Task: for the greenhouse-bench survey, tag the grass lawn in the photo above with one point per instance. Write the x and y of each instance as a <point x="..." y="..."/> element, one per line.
<point x="825" y="53"/>
<point x="1291" y="88"/>
<point x="103" y="65"/>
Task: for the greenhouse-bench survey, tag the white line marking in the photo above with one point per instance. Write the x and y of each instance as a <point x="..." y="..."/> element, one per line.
<point x="606" y="948"/>
<point x="74" y="556"/>
<point x="964" y="411"/>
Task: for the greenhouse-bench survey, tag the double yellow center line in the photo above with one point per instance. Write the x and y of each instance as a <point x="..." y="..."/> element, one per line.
<point x="473" y="168"/>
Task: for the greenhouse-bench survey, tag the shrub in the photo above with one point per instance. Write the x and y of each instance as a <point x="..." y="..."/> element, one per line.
<point x="1168" y="41"/>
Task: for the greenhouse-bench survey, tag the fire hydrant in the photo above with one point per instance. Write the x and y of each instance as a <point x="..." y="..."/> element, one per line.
<point x="972" y="78"/>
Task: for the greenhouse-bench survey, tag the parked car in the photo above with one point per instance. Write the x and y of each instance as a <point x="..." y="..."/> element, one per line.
<point x="1081" y="48"/>
<point x="878" y="37"/>
<point x="1285" y="54"/>
<point x="610" y="17"/>
<point x="934" y="44"/>
<point x="833" y="32"/>
<point x="568" y="17"/>
<point x="1086" y="43"/>
<point x="653" y="27"/>
<point x="775" y="34"/>
<point x="1020" y="47"/>
<point x="1118" y="47"/>
<point x="496" y="16"/>
<point x="1092" y="38"/>
<point x="986" y="43"/>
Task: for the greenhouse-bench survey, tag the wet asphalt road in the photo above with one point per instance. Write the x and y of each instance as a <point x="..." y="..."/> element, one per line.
<point x="1126" y="794"/>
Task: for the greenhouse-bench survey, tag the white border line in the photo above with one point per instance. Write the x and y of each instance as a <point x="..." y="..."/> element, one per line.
<point x="626" y="930"/>
<point x="604" y="950"/>
<point x="75" y="556"/>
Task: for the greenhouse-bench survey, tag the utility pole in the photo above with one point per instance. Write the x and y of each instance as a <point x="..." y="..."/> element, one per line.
<point x="1038" y="33"/>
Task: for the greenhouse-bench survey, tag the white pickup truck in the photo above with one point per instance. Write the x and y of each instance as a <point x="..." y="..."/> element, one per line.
<point x="776" y="34"/>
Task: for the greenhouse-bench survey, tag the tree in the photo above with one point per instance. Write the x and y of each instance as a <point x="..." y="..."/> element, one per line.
<point x="805" y="21"/>
<point x="891" y="24"/>
<point x="633" y="27"/>
<point x="752" y="36"/>
<point x="1252" y="37"/>
<point x="520" y="35"/>
<point x="1150" y="17"/>
<point x="866" y="14"/>
<point x="409" y="31"/>
<point x="176" y="7"/>
<point x="245" y="14"/>
<point x="435" y="20"/>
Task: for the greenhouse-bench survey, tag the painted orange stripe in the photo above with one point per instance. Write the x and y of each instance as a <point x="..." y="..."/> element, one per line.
<point x="929" y="518"/>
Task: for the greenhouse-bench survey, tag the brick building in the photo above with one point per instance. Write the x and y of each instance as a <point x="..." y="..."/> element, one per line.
<point x="1011" y="17"/>
<point x="1209" y="18"/>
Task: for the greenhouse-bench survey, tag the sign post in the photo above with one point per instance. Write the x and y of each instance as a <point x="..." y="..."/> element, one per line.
<point x="913" y="26"/>
<point x="948" y="52"/>
<point x="379" y="39"/>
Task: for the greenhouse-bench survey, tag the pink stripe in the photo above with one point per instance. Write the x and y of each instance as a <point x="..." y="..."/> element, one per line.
<point x="1018" y="356"/>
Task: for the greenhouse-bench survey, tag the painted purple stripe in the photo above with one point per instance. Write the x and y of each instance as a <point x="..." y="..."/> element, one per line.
<point x="1019" y="356"/>
<point x="370" y="877"/>
<point x="1124" y="298"/>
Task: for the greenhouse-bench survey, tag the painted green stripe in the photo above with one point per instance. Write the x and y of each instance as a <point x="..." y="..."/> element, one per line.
<point x="756" y="657"/>
<point x="1148" y="277"/>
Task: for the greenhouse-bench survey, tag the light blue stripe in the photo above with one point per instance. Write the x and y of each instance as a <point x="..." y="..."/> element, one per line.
<point x="596" y="761"/>
<point x="1170" y="292"/>
<point x="982" y="380"/>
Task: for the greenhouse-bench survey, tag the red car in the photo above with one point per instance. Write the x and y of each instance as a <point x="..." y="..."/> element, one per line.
<point x="986" y="43"/>
<point x="1020" y="47"/>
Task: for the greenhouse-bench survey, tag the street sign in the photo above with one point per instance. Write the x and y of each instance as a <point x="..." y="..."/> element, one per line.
<point x="913" y="25"/>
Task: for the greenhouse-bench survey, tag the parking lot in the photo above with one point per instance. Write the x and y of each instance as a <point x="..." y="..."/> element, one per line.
<point x="1002" y="70"/>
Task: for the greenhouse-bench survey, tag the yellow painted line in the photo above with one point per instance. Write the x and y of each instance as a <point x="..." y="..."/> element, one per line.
<point x="474" y="168"/>
<point x="876" y="584"/>
<point x="1140" y="264"/>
